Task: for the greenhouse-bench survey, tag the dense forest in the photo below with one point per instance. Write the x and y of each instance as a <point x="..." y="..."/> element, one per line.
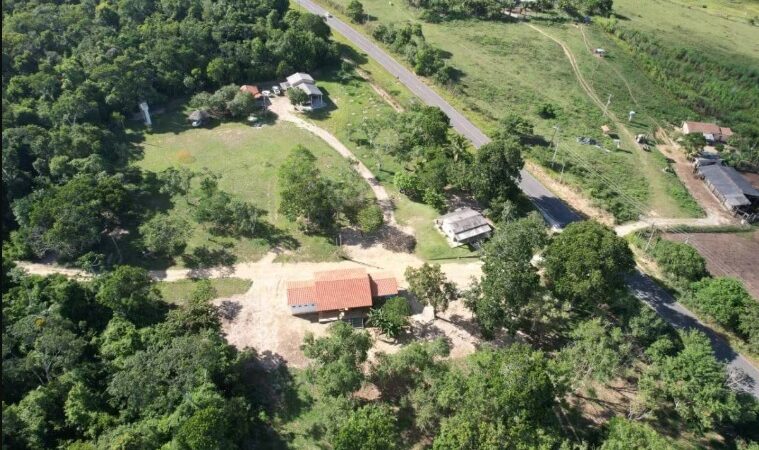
<point x="74" y="73"/>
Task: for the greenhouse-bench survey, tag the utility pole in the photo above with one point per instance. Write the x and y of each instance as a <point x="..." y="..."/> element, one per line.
<point x="555" y="144"/>
<point x="608" y="102"/>
<point x="650" y="236"/>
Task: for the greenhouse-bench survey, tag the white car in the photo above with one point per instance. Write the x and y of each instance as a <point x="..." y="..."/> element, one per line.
<point x="276" y="90"/>
<point x="266" y="93"/>
<point x="327" y="15"/>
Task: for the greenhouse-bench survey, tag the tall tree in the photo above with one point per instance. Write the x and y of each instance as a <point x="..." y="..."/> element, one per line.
<point x="337" y="358"/>
<point x="510" y="285"/>
<point x="495" y="173"/>
<point x="430" y="286"/>
<point x="372" y="427"/>
<point x="586" y="264"/>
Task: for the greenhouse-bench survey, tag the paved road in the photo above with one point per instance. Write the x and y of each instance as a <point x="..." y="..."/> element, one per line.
<point x="553" y="208"/>
<point x="644" y="288"/>
<point x="556" y="212"/>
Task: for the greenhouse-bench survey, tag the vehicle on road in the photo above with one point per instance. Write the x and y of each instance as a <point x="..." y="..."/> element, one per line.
<point x="327" y="15"/>
<point x="276" y="90"/>
<point x="266" y="93"/>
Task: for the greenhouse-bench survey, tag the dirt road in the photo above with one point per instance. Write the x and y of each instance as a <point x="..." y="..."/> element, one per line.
<point x="285" y="111"/>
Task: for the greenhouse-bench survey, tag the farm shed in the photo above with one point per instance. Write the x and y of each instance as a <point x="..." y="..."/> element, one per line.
<point x="464" y="226"/>
<point x="732" y="190"/>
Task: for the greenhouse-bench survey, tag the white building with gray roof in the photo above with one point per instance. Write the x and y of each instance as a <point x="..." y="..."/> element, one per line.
<point x="305" y="83"/>
<point x="464" y="226"/>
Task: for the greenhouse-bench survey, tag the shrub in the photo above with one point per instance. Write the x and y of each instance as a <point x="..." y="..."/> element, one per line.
<point x="679" y="261"/>
<point x="547" y="111"/>
<point x="723" y="299"/>
<point x="370" y="218"/>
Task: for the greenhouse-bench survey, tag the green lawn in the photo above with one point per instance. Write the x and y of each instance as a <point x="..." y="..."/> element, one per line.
<point x="178" y="292"/>
<point x="247" y="160"/>
<point x="510" y="67"/>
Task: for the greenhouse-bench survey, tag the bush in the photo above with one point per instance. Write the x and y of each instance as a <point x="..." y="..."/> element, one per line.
<point x="370" y="218"/>
<point x="547" y="111"/>
<point x="679" y="261"/>
<point x="355" y="12"/>
<point x="391" y="317"/>
<point x="435" y="199"/>
<point x="723" y="299"/>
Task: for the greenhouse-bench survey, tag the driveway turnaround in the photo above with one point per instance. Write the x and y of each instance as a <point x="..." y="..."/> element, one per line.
<point x="556" y="212"/>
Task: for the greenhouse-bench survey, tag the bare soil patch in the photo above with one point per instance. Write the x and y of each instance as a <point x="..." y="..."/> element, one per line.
<point x="728" y="254"/>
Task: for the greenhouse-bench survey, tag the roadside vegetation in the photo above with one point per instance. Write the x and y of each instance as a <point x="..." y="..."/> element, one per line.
<point x="722" y="302"/>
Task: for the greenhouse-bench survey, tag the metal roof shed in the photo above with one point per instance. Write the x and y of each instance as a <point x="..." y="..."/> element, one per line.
<point x="729" y="185"/>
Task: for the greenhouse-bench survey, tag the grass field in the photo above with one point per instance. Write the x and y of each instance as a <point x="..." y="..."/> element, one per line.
<point x="722" y="28"/>
<point x="247" y="160"/>
<point x="512" y="68"/>
<point x="178" y="292"/>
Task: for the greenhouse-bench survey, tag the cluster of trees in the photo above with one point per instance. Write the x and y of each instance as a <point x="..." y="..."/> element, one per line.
<point x="108" y="364"/>
<point x="436" y="159"/>
<point x="407" y="39"/>
<point x="511" y="395"/>
<point x="318" y="203"/>
<point x="73" y="73"/>
<point x="227" y="101"/>
<point x="725" y="89"/>
<point x="438" y="10"/>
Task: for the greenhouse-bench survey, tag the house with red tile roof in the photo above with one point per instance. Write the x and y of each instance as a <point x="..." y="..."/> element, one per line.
<point x="711" y="131"/>
<point x="252" y="90"/>
<point x="345" y="294"/>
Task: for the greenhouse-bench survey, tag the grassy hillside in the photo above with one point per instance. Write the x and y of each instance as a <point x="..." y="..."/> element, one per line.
<point x="707" y="59"/>
<point x="509" y="67"/>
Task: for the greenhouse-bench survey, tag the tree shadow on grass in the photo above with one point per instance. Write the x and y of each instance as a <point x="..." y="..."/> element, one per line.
<point x="267" y="381"/>
<point x="351" y="53"/>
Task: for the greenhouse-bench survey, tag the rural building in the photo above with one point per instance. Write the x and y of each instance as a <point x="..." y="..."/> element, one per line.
<point x="305" y="83"/>
<point x="252" y="90"/>
<point x="464" y="226"/>
<point x="731" y="189"/>
<point x="345" y="294"/>
<point x="712" y="132"/>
